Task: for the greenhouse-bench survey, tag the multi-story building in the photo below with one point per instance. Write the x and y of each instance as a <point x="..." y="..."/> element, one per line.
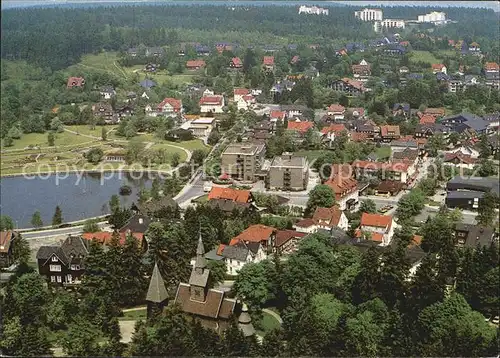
<point x="243" y="161"/>
<point x="348" y="86"/>
<point x="434" y="17"/>
<point x="388" y="24"/>
<point x="377" y="228"/>
<point x="369" y="15"/>
<point x="288" y="173"/>
<point x="314" y="10"/>
<point x="346" y="191"/>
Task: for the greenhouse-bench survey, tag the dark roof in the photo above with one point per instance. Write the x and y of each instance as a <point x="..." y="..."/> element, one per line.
<point x="407" y="153"/>
<point x="404" y="106"/>
<point x="152" y="206"/>
<point x="45" y="252"/>
<point x="235" y="252"/>
<point x="415" y="76"/>
<point x="474" y="183"/>
<point x="464" y="194"/>
<point x="147" y="83"/>
<point x="492" y="117"/>
<point x="137" y="224"/>
<point x="72" y="250"/>
<point x="214" y="306"/>
<point x="414" y="253"/>
<point x="481" y="235"/>
<point x="228" y="205"/>
<point x="156" y="291"/>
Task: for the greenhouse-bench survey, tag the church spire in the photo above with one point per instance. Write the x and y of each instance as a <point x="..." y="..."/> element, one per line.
<point x="157" y="292"/>
<point x="200" y="262"/>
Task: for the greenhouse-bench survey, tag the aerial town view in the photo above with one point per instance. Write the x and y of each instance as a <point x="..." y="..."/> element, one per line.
<point x="249" y="178"/>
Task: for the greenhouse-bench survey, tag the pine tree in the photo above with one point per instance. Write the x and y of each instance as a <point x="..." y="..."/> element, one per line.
<point x="36" y="220"/>
<point x="57" y="219"/>
<point x="425" y="288"/>
<point x="367" y="281"/>
<point x="50" y="139"/>
<point x="104" y="134"/>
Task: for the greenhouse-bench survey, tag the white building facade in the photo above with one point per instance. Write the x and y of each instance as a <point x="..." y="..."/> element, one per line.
<point x="433" y="17"/>
<point x="369" y="15"/>
<point x="313" y="10"/>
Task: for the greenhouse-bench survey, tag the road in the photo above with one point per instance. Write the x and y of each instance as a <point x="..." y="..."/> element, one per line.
<point x="75" y="230"/>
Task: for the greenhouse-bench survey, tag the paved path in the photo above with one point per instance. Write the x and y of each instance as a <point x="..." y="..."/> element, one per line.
<point x="274" y="314"/>
<point x="134" y="309"/>
<point x="56" y="232"/>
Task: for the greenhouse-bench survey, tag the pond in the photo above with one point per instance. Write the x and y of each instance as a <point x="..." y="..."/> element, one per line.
<point x="79" y="195"/>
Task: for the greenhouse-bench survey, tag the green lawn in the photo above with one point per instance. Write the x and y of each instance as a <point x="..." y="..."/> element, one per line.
<point x="170" y="150"/>
<point x="423" y="56"/>
<point x="201" y="199"/>
<point x="267" y="324"/>
<point x="85" y="129"/>
<point x="40" y="140"/>
<point x="134" y="315"/>
<point x="447" y="53"/>
<point x="383" y="152"/>
<point x="311" y="154"/>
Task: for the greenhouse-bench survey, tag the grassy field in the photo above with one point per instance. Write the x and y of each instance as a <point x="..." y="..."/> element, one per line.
<point x="311" y="154"/>
<point x="267" y="324"/>
<point x="170" y="151"/>
<point x="423" y="56"/>
<point x="134" y="315"/>
<point x="85" y="129"/>
<point x="40" y="140"/>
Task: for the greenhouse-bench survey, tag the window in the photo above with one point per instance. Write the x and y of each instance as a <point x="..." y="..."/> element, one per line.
<point x="59" y="279"/>
<point x="75" y="267"/>
<point x="56" y="268"/>
<point x="54" y="258"/>
<point x="52" y="279"/>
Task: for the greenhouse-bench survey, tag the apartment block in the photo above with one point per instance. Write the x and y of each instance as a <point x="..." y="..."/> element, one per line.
<point x="288" y="173"/>
<point x="243" y="161"/>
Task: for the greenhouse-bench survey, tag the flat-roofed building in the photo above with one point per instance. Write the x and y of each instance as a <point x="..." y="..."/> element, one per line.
<point x="243" y="161"/>
<point x="288" y="172"/>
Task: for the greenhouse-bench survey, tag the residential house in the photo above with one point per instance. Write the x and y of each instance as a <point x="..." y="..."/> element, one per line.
<point x="401" y="109"/>
<point x="293" y="110"/>
<point x="236" y="63"/>
<point x="147" y="84"/>
<point x="268" y="63"/>
<point x="474" y="48"/>
<point x="492" y="80"/>
<point x="436" y="112"/>
<point x="154" y="52"/>
<point x="468" y="150"/>
<point x="394" y="49"/>
<point x="323" y="219"/>
<point x="494" y="143"/>
<point x="7" y="243"/>
<point x="300" y="127"/>
<point x="281" y="86"/>
<point x="389" y="188"/>
<point x="389" y="133"/>
<point x="245" y="103"/>
<point x="295" y="59"/>
<point x="147" y="210"/>
<point x="243" y="161"/>
<point x="361" y="71"/>
<point x="107" y="92"/>
<point x="169" y="107"/>
<point x="105" y="238"/>
<point x="237" y="255"/>
<point x="377" y="228"/>
<point x="288" y="172"/>
<point x="236" y="195"/>
<point x="398" y="171"/>
<point x="194" y="65"/>
<point x="337" y="111"/>
<point x="239" y="93"/>
<point x="211" y="306"/>
<point x="404" y="69"/>
<point x="75" y="82"/>
<point x="276" y="116"/>
<point x="428" y="130"/>
<point x="366" y="126"/>
<point x="287" y="241"/>
<point x="438" y="67"/>
<point x="456" y="85"/>
<point x="105" y="111"/>
<point x="115" y="156"/>
<point x="261" y="234"/>
<point x="466" y="122"/>
<point x="63" y="264"/>
<point x="345" y="189"/>
<point x="151" y="67"/>
<point x="427" y="119"/>
<point x="348" y="86"/>
<point x="465" y="200"/>
<point x="333" y="131"/>
<point x="491" y="67"/>
<point x="202" y="50"/>
<point x="356" y="112"/>
<point x="472" y="236"/>
<point x="124" y="111"/>
<point x="212" y="104"/>
<point x="457" y="159"/>
<point x="407" y="155"/>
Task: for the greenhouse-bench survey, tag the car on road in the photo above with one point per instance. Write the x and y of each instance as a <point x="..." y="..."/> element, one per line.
<point x="385" y="209"/>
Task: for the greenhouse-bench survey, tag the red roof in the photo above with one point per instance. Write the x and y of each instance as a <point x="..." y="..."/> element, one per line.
<point x="336" y="108"/>
<point x="305" y="223"/>
<point x="374" y="236"/>
<point x="427" y="119"/>
<point x="491" y="66"/>
<point x="417" y="240"/>
<point x="240" y="196"/>
<point x="211" y="100"/>
<point x="295" y="59"/>
<point x="396" y="167"/>
<point x="358" y="136"/>
<point x="342" y="185"/>
<point x="75" y="82"/>
<point x="104" y="237"/>
<point x="175" y="103"/>
<point x="241" y="91"/>
<point x="268" y="60"/>
<point x="356" y="84"/>
<point x="389" y="131"/>
<point x="404" y="43"/>
<point x="462" y="158"/>
<point x="376" y="220"/>
<point x="236" y="62"/>
<point x="255" y="233"/>
<point x="437" y="66"/>
<point x="299" y="126"/>
<point x="327" y="216"/>
<point x="195" y="63"/>
<point x="334" y="128"/>
<point x="283" y="236"/>
<point x="278" y="114"/>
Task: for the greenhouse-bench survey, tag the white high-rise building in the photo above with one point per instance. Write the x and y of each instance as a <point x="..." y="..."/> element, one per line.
<point x="369" y="15"/>
<point x="313" y="10"/>
<point x="434" y="17"/>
